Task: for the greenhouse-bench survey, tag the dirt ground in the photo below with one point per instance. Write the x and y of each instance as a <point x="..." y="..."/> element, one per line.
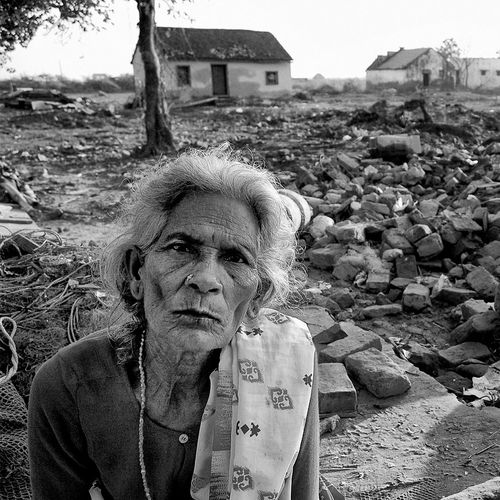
<point x="422" y="445"/>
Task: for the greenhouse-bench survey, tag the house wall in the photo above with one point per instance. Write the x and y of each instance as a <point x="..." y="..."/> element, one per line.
<point x="244" y="78"/>
<point x="472" y="78"/>
<point x="430" y="62"/>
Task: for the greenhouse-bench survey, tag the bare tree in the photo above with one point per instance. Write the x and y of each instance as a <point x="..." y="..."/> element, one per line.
<point x="450" y="51"/>
<point x="20" y="20"/>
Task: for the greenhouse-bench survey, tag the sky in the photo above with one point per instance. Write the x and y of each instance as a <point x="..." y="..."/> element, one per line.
<point x="336" y="38"/>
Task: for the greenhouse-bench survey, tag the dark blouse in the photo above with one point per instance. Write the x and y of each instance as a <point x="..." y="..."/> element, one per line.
<point x="83" y="424"/>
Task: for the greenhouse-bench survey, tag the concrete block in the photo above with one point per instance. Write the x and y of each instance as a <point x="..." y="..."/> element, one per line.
<point x="417" y="232"/>
<point x="397" y="144"/>
<point x="348" y="266"/>
<point x="348" y="232"/>
<point x="472" y="307"/>
<point x="342" y="296"/>
<point x="395" y="239"/>
<point x="416" y="297"/>
<point x="430" y="246"/>
<point x="378" y="373"/>
<point x="457" y="354"/>
<point x="378" y="280"/>
<point x="336" y="391"/>
<point x="326" y="257"/>
<point x="483" y="282"/>
<point x="481" y="327"/>
<point x="357" y="340"/>
<point x="378" y="311"/>
<point x="454" y="295"/>
<point x="330" y="335"/>
<point x="406" y="267"/>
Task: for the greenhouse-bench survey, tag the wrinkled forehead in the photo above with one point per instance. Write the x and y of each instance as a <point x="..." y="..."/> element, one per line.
<point x="210" y="214"/>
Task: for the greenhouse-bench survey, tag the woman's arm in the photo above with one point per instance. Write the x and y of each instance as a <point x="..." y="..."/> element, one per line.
<point x="60" y="467"/>
<point x="305" y="477"/>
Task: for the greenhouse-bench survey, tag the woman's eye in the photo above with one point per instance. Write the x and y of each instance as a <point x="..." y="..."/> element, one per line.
<point x="181" y="248"/>
<point x="235" y="257"/>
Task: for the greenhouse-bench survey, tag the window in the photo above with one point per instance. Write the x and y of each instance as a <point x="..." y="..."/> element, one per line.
<point x="483" y="72"/>
<point x="183" y="76"/>
<point x="441" y="73"/>
<point x="498" y="72"/>
<point x="271" y="78"/>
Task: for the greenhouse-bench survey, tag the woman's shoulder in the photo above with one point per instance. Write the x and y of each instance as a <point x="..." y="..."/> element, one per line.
<point x="91" y="357"/>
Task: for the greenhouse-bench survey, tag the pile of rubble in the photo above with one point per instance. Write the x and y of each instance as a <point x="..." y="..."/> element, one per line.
<point x="413" y="230"/>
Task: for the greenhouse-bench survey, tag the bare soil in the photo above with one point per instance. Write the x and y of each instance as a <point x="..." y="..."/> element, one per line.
<point x="81" y="167"/>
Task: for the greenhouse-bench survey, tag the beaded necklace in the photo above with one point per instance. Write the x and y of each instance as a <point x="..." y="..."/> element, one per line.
<point x="142" y="463"/>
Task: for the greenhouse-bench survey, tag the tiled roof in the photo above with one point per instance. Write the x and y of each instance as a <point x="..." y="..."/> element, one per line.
<point x="398" y="60"/>
<point x="219" y="44"/>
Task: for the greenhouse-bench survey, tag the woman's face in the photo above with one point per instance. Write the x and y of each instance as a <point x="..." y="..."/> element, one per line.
<point x="200" y="276"/>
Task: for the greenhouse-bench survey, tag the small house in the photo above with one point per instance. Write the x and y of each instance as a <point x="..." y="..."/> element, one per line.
<point x="419" y="66"/>
<point x="219" y="62"/>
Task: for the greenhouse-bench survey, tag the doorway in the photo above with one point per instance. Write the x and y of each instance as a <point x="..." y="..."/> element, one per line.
<point x="219" y="79"/>
<point x="426" y="78"/>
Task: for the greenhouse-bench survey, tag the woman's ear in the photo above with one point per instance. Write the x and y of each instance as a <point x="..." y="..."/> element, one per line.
<point x="133" y="262"/>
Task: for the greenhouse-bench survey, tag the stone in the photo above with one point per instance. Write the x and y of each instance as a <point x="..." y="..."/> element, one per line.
<point x="330" y="335"/>
<point x="348" y="266"/>
<point x="472" y="368"/>
<point x="492" y="249"/>
<point x="481" y="327"/>
<point x="473" y="306"/>
<point x="318" y="225"/>
<point x="483" y="282"/>
<point x="454" y="295"/>
<point x="396" y="145"/>
<point x="379" y="208"/>
<point x="348" y="162"/>
<point x="378" y="311"/>
<point x="449" y="234"/>
<point x="395" y="239"/>
<point x="326" y="257"/>
<point x="392" y="254"/>
<point x="406" y="267"/>
<point x="347" y="232"/>
<point x="422" y="357"/>
<point x="417" y="232"/>
<point x="497" y="299"/>
<point x="401" y="283"/>
<point x="357" y="340"/>
<point x="328" y="424"/>
<point x="462" y="223"/>
<point x="428" y="208"/>
<point x="336" y="392"/>
<point x="452" y="380"/>
<point x="378" y="280"/>
<point x="342" y="296"/>
<point x="430" y="246"/>
<point x="457" y="354"/>
<point x="305" y="176"/>
<point x="416" y="297"/>
<point x="377" y="372"/>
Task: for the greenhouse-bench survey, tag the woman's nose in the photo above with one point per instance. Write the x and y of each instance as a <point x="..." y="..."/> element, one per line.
<point x="205" y="278"/>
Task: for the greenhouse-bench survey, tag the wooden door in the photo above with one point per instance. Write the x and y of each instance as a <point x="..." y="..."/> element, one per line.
<point x="219" y="79"/>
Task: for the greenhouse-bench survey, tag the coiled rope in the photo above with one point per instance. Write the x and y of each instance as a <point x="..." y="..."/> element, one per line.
<point x="7" y="342"/>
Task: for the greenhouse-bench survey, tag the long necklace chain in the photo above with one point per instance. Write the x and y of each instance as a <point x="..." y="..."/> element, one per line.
<point x="142" y="463"/>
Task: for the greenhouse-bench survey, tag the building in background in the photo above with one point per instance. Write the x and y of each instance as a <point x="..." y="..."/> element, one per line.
<point x="198" y="63"/>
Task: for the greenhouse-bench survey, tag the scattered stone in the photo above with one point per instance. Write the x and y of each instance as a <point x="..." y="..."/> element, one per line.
<point x="378" y="280"/>
<point x="482" y="282"/>
<point x="452" y="380"/>
<point x="326" y="257"/>
<point x="456" y="355"/>
<point x="416" y="297"/>
<point x="378" y="373"/>
<point x="455" y="296"/>
<point x="318" y="225"/>
<point x="417" y="232"/>
<point x="422" y="357"/>
<point x="357" y="340"/>
<point x="348" y="266"/>
<point x="328" y="424"/>
<point x="472" y="368"/>
<point x="342" y="296"/>
<point x="330" y="334"/>
<point x="347" y="232"/>
<point x="473" y="306"/>
<point x="378" y="311"/>
<point x="336" y="392"/>
<point x="395" y="239"/>
<point x="481" y="327"/>
<point x="430" y="246"/>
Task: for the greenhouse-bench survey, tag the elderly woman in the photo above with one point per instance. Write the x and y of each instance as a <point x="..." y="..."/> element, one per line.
<point x="205" y="393"/>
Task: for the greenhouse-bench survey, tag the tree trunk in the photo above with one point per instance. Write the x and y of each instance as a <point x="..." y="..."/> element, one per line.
<point x="159" y="138"/>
